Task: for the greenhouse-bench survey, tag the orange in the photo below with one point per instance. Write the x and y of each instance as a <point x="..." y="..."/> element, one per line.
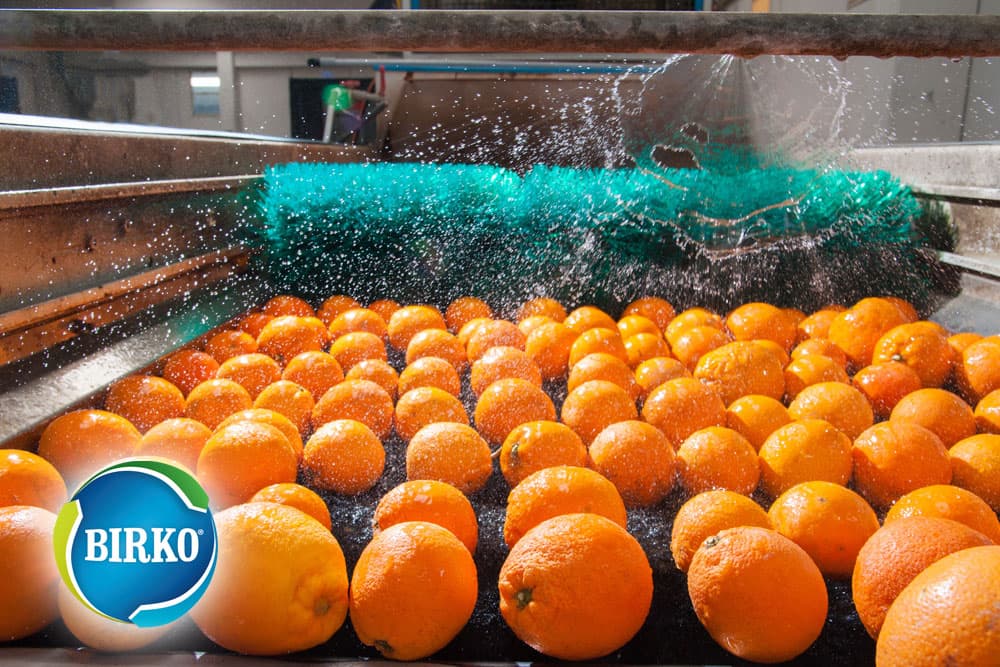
<point x="840" y="404"/>
<point x="638" y="459"/>
<point x="430" y="372"/>
<point x="186" y="369"/>
<point x="535" y="445"/>
<point x="803" y="451"/>
<point x="335" y="305"/>
<point x="285" y="304"/>
<point x="940" y="411"/>
<point x="419" y="407"/>
<point x="651" y="373"/>
<point x="560" y="490"/>
<point x="589" y="317"/>
<point x="28" y="479"/>
<point x="280" y="584"/>
<point x="508" y="403"/>
<point x="975" y="464"/>
<point x="923" y="346"/>
<point x="214" y="400"/>
<point x="905" y="307"/>
<point x="144" y="400"/>
<point x="253" y="323"/>
<point x="706" y="514"/>
<point x="360" y="400"/>
<point x="682" y="406"/>
<point x="542" y="306"/>
<point x="408" y="321"/>
<point x="384" y="308"/>
<point x="290" y="400"/>
<point x="643" y="346"/>
<point x="987" y="413"/>
<point x="316" y="371"/>
<point x="962" y="340"/>
<point x="694" y="342"/>
<point x="829" y="521"/>
<point x="471" y="327"/>
<point x="717" y="458"/>
<point x="604" y="366"/>
<point x="692" y="317"/>
<point x="594" y="340"/>
<point x="817" y="324"/>
<point x="179" y="440"/>
<point x="762" y="321"/>
<point x="549" y="346"/>
<point x="358" y="319"/>
<point x="98" y="632"/>
<point x="810" y="370"/>
<point x="252" y="371"/>
<point x="741" y="368"/>
<point x="576" y="587"/>
<point x="377" y="371"/>
<point x="896" y="457"/>
<point x="529" y="324"/>
<point x="500" y="363"/>
<point x="979" y="371"/>
<point x="343" y="456"/>
<point x="287" y="336"/>
<point x="659" y="311"/>
<point x="432" y="501"/>
<point x="595" y="405"/>
<point x="297" y="496"/>
<point x="755" y="417"/>
<point x="759" y="595"/>
<point x="780" y="353"/>
<point x="413" y="590"/>
<point x="29" y="585"/>
<point x="353" y="348"/>
<point x="794" y="314"/>
<point x="440" y="344"/>
<point x="271" y="418"/>
<point x="465" y="309"/>
<point x="940" y="618"/>
<point x="231" y="343"/>
<point x="630" y="325"/>
<point x="897" y="553"/>
<point x="78" y="443"/>
<point x="948" y="502"/>
<point x="857" y="329"/>
<point x="494" y="333"/>
<point x="820" y="346"/>
<point x="885" y="385"/>
<point x="451" y="453"/>
<point x="241" y="459"/>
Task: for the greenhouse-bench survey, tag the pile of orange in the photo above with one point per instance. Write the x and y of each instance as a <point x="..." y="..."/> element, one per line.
<point x="782" y="447"/>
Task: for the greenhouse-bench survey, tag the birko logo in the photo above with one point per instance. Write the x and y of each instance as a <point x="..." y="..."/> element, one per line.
<point x="137" y="543"/>
<point x="128" y="545"/>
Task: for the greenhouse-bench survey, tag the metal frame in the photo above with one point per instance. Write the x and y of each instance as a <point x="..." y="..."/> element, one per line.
<point x="742" y="34"/>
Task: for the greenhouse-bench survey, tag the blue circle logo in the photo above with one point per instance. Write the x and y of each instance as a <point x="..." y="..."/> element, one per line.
<point x="137" y="543"/>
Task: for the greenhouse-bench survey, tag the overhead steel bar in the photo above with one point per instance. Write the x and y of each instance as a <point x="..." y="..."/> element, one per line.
<point x="742" y="34"/>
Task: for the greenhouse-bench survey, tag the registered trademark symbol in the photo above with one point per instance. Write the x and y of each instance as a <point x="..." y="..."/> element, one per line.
<point x="201" y="531"/>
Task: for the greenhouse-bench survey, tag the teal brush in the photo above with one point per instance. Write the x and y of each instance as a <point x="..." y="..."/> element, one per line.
<point x="733" y="231"/>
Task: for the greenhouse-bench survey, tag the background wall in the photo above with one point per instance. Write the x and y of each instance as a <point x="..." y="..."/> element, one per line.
<point x="902" y="100"/>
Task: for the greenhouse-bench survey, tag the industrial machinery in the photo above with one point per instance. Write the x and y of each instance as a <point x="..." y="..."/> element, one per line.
<point x="123" y="243"/>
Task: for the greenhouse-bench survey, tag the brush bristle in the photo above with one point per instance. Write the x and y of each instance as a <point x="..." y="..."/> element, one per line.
<point x="432" y="232"/>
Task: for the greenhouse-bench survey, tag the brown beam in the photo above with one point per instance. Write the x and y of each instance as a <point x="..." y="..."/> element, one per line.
<point x="314" y="31"/>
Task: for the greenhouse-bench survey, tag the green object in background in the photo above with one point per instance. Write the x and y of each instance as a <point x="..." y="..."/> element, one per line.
<point x="337" y="96"/>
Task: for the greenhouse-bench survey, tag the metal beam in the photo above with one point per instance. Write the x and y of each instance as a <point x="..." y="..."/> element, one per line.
<point x="742" y="34"/>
